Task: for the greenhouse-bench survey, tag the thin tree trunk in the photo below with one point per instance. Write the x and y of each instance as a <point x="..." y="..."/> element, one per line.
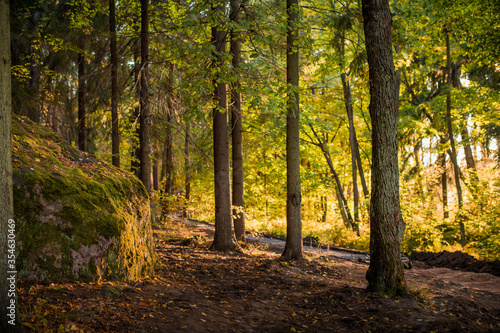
<point x="224" y="238"/>
<point x="82" y="116"/>
<point x="385" y="274"/>
<point x="187" y="185"/>
<point x="366" y="193"/>
<point x="324" y="208"/>
<point x="169" y="142"/>
<point x="135" y="165"/>
<point x="236" y="124"/>
<point x="169" y="156"/>
<point x="352" y="142"/>
<point x="10" y="321"/>
<point x="342" y="201"/>
<point x="115" y="135"/>
<point x="469" y="157"/>
<point x="144" y="137"/>
<point x="34" y="109"/>
<point x="444" y="179"/>
<point x="155" y="171"/>
<point x="456" y="170"/>
<point x="293" y="247"/>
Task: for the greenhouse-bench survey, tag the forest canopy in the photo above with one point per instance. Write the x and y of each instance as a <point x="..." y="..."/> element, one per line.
<point x="89" y="68"/>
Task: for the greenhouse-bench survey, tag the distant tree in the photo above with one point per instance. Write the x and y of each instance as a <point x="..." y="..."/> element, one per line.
<point x="115" y="134"/>
<point x="6" y="195"/>
<point x="82" y="113"/>
<point x="144" y="117"/>
<point x="385" y="274"/>
<point x="293" y="247"/>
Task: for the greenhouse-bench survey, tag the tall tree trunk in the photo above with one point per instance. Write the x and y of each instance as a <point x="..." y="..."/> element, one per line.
<point x="456" y="170"/>
<point x="444" y="179"/>
<point x="236" y="124"/>
<point x="385" y="274"/>
<point x="469" y="157"/>
<point x="293" y="247"/>
<point x="10" y="321"/>
<point x="352" y="143"/>
<point x="342" y="201"/>
<point x="155" y="173"/>
<point x="82" y="115"/>
<point x="169" y="156"/>
<point x="144" y="138"/>
<point x="224" y="238"/>
<point x="135" y="165"/>
<point x="169" y="142"/>
<point x="115" y="134"/>
<point x="34" y="110"/>
<point x="360" y="168"/>
<point x="324" y="208"/>
<point x="187" y="184"/>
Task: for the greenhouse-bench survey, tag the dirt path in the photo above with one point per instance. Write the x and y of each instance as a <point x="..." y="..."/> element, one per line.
<point x="196" y="290"/>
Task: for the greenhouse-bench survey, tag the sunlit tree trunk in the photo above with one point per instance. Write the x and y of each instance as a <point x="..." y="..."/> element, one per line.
<point x="7" y="295"/>
<point x="456" y="170"/>
<point x="441" y="161"/>
<point x="224" y="239"/>
<point x="469" y="157"/>
<point x="352" y="142"/>
<point x="293" y="247"/>
<point x="115" y="135"/>
<point x="236" y="124"/>
<point x="144" y="138"/>
<point x="385" y="274"/>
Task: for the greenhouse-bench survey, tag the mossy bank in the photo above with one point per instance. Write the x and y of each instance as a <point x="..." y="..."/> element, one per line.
<point x="77" y="217"/>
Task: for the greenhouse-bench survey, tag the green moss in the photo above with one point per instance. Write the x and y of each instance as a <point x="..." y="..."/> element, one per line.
<point x="73" y="210"/>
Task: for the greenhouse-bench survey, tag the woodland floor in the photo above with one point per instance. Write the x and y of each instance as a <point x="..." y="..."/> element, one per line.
<point x="196" y="290"/>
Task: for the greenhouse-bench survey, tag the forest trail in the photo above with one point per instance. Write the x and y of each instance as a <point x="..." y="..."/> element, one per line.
<point x="278" y="243"/>
<point x="197" y="290"/>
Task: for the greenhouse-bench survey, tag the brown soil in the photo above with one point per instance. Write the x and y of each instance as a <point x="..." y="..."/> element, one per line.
<point x="196" y="290"/>
<point x="457" y="260"/>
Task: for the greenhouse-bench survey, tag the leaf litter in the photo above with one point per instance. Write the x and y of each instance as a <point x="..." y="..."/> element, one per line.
<point x="197" y="290"/>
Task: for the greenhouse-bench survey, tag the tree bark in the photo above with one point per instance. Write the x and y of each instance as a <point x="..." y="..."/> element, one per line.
<point x="444" y="179"/>
<point x="144" y="138"/>
<point x="385" y="274"/>
<point x="187" y="185"/>
<point x="236" y="124"/>
<point x="169" y="142"/>
<point x="115" y="134"/>
<point x="8" y="277"/>
<point x="469" y="157"/>
<point x="456" y="170"/>
<point x="293" y="247"/>
<point x="352" y="143"/>
<point x="82" y="114"/>
<point x="224" y="239"/>
<point x="135" y="164"/>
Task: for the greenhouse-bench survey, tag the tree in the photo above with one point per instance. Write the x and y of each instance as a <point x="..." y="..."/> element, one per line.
<point x="115" y="135"/>
<point x="293" y="247"/>
<point x="82" y="114"/>
<point x="224" y="239"/>
<point x="385" y="274"/>
<point x="236" y="126"/>
<point x="144" y="118"/>
<point x="7" y="293"/>
<point x="453" y="152"/>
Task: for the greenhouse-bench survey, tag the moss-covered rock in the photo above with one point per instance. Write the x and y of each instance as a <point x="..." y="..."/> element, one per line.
<point x="77" y="217"/>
